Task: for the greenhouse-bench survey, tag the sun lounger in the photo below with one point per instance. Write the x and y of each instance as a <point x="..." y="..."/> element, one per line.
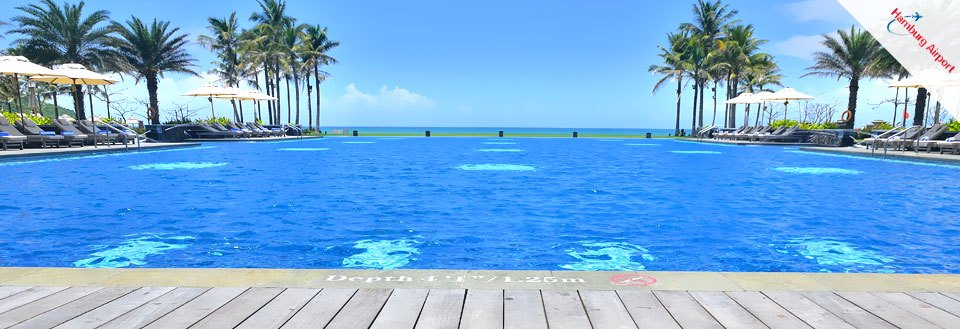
<point x="730" y="134"/>
<point x="69" y="136"/>
<point x="873" y="141"/>
<point x="69" y="132"/>
<point x="124" y="135"/>
<point x="257" y="130"/>
<point x="237" y="132"/>
<point x="9" y="135"/>
<point x="749" y="132"/>
<point x="276" y="131"/>
<point x="46" y="138"/>
<point x="759" y="136"/>
<point x="930" y="138"/>
<point x="208" y="131"/>
<point x="100" y="136"/>
<point x="791" y="134"/>
<point x="951" y="145"/>
<point x="903" y="140"/>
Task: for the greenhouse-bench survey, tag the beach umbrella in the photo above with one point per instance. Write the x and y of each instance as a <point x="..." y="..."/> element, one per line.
<point x="19" y="66"/>
<point x="77" y="74"/>
<point x="786" y="95"/>
<point x="209" y="90"/>
<point x="744" y="98"/>
<point x="761" y="99"/>
<point x="260" y="96"/>
<point x="237" y="94"/>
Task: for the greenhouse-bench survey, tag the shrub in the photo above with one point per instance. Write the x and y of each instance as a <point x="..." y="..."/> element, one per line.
<point x="14" y="116"/>
<point x="818" y="126"/>
<point x="784" y="123"/>
<point x="953" y="125"/>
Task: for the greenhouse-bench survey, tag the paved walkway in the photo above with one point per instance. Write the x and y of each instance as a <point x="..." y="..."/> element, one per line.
<point x="890" y="154"/>
<point x="253" y="298"/>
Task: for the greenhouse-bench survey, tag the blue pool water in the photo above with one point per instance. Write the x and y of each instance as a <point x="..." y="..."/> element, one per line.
<point x="458" y="203"/>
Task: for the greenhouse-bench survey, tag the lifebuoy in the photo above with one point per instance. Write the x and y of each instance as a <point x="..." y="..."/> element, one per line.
<point x="847" y="115"/>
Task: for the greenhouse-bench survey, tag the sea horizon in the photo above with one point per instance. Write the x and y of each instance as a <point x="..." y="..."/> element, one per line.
<point x="506" y="130"/>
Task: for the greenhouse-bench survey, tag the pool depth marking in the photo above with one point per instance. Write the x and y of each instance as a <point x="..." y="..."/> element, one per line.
<point x="518" y="280"/>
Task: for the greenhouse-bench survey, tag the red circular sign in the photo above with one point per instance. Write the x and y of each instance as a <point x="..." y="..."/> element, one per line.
<point x="634" y="280"/>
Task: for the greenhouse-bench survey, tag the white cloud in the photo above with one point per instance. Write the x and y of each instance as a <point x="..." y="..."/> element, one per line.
<point x="817" y="11"/>
<point x="799" y="46"/>
<point x="396" y="98"/>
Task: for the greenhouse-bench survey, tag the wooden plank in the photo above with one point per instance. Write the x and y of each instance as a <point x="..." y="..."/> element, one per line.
<point x="280" y="309"/>
<point x="606" y="310"/>
<point x="7" y="291"/>
<point x="483" y="309"/>
<point x="954" y="296"/>
<point x="198" y="308"/>
<point x="27" y="296"/>
<point x="768" y="311"/>
<point x="523" y="309"/>
<point x="238" y="309"/>
<point x="75" y="308"/>
<point x="807" y="310"/>
<point x="943" y="302"/>
<point x="883" y="309"/>
<point x="153" y="310"/>
<point x="402" y="309"/>
<point x="730" y="314"/>
<point x="920" y="308"/>
<point x="361" y="310"/>
<point x="686" y="310"/>
<point x="646" y="310"/>
<point x="564" y="309"/>
<point x="116" y="308"/>
<point x="321" y="309"/>
<point x="442" y="309"/>
<point x="846" y="310"/>
<point x="42" y="305"/>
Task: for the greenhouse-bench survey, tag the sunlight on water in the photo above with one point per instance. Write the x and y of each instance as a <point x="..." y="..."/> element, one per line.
<point x="499" y="143"/>
<point x="383" y="254"/>
<point x="818" y="171"/>
<point x="304" y="149"/>
<point x="133" y="252"/>
<point x="358" y="142"/>
<point x="112" y="154"/>
<point x="490" y="166"/>
<point x="499" y="139"/>
<point x="838" y="256"/>
<point x="178" y="165"/>
<point x="696" y="152"/>
<point x="641" y="144"/>
<point x="607" y="256"/>
<point x="918" y="163"/>
<point x="500" y="150"/>
<point x="609" y="140"/>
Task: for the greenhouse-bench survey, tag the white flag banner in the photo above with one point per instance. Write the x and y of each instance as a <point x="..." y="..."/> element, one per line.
<point x="923" y="36"/>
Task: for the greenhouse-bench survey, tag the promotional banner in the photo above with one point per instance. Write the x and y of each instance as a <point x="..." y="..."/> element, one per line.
<point x="923" y="36"/>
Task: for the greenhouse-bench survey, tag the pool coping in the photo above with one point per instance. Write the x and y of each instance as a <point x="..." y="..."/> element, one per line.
<point x="479" y="279"/>
<point x="897" y="155"/>
<point x="42" y="152"/>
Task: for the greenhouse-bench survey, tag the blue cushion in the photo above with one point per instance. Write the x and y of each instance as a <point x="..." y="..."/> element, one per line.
<point x="67" y="132"/>
<point x="103" y="132"/>
<point x="46" y="133"/>
<point x="4" y="133"/>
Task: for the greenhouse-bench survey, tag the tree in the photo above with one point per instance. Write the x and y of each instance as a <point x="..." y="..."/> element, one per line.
<point x="673" y="67"/>
<point x="59" y="35"/>
<point x="270" y="23"/>
<point x="853" y="56"/>
<point x="737" y="49"/>
<point x="761" y="71"/>
<point x="148" y="52"/>
<point x="225" y="41"/>
<point x="316" y="54"/>
<point x="710" y="20"/>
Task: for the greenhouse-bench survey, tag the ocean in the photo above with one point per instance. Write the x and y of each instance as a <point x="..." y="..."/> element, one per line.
<point x="494" y="130"/>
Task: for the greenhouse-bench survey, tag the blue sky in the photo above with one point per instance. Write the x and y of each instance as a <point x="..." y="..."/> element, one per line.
<point x="503" y="63"/>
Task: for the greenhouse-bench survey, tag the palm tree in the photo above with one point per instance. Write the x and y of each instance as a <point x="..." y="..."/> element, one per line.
<point x="225" y="41"/>
<point x="317" y="46"/>
<point x="853" y="56"/>
<point x="737" y="48"/>
<point x="761" y="71"/>
<point x="147" y="52"/>
<point x="710" y="20"/>
<point x="65" y="35"/>
<point x="290" y="42"/>
<point x="270" y="24"/>
<point x="673" y="67"/>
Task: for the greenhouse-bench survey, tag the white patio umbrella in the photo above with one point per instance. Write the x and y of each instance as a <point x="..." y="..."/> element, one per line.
<point x="761" y="98"/>
<point x="744" y="98"/>
<point x="209" y="90"/>
<point x="20" y="66"/>
<point x="786" y="95"/>
<point x="77" y="74"/>
<point x="260" y="96"/>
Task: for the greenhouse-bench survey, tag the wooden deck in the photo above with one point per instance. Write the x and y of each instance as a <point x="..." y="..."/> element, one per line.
<point x="270" y="307"/>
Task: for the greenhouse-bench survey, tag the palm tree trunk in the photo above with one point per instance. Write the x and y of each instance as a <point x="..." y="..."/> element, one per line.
<point x="296" y="90"/>
<point x="266" y="81"/>
<point x="676" y="128"/>
<point x="276" y="78"/>
<point x="693" y="122"/>
<point x="936" y="114"/>
<point x="896" y="107"/>
<point x="918" y="110"/>
<point x="714" y="121"/>
<point x="733" y="85"/>
<point x="236" y="116"/>
<point x="852" y="102"/>
<point x="77" y="101"/>
<point x="289" y="117"/>
<point x="152" y="95"/>
<point x="316" y="80"/>
<point x="309" y="101"/>
<point x="746" y="115"/>
<point x="703" y="86"/>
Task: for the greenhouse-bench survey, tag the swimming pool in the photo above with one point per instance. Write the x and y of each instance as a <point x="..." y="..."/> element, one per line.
<point x="477" y="203"/>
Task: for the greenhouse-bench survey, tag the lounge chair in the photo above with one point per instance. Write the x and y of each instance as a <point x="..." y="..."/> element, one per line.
<point x="951" y="145"/>
<point x="762" y="135"/>
<point x="730" y="134"/>
<point x="207" y="131"/>
<point x="749" y="132"/>
<point x="872" y="141"/>
<point x="220" y="127"/>
<point x="257" y="130"/>
<point x="276" y="131"/>
<point x="100" y="136"/>
<point x="70" y="132"/>
<point x="124" y="134"/>
<point x="930" y="138"/>
<point x="9" y="135"/>
<point x="46" y="138"/>
<point x="791" y="134"/>
<point x="905" y="139"/>
<point x="236" y="126"/>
